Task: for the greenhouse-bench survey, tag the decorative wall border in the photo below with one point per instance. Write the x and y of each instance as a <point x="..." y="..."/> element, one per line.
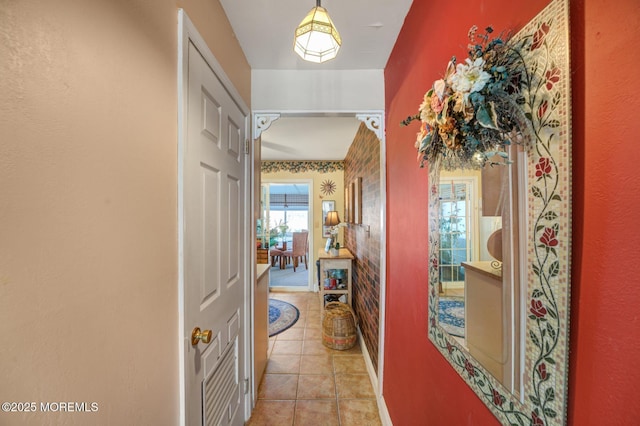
<point x="302" y="166"/>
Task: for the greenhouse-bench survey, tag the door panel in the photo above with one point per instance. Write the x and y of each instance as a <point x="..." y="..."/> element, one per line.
<point x="210" y="283"/>
<point x="234" y="224"/>
<point x="214" y="235"/>
<point x="235" y="140"/>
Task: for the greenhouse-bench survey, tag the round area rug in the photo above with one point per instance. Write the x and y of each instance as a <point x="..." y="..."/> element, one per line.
<point x="451" y="315"/>
<point x="282" y="315"/>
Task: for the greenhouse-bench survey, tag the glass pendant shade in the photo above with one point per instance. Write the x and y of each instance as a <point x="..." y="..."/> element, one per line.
<point x="317" y="39"/>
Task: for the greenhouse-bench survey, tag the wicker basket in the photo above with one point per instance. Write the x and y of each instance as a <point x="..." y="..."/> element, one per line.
<point x="339" y="326"/>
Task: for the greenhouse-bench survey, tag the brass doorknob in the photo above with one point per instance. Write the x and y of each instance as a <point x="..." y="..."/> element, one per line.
<point x="197" y="335"/>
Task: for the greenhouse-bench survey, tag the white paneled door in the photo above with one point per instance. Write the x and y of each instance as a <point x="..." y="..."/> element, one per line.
<point x="214" y="170"/>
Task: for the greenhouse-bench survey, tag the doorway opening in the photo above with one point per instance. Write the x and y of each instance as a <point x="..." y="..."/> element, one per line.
<point x="286" y="224"/>
<point x="277" y="151"/>
<point x="457" y="231"/>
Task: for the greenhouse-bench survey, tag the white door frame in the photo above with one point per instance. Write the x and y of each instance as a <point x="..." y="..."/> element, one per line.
<point x="374" y="120"/>
<point x="187" y="32"/>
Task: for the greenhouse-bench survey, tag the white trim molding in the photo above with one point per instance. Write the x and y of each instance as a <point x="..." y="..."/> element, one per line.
<point x="262" y="122"/>
<point x="373" y="121"/>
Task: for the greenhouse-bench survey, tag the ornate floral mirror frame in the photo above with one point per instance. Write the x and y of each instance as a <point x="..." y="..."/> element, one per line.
<point x="545" y="308"/>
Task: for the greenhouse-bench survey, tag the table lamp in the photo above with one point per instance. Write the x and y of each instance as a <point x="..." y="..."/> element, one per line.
<point x="332" y="220"/>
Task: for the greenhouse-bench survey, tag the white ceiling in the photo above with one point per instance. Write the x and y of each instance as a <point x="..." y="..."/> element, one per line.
<point x="309" y="138"/>
<point x="265" y="32"/>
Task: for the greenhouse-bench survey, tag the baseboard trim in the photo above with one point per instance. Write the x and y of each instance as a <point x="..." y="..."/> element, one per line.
<point x="373" y="377"/>
<point x="292" y="289"/>
<point x="453" y="285"/>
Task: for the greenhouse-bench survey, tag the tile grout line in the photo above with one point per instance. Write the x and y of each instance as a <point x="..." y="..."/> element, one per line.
<point x="310" y="311"/>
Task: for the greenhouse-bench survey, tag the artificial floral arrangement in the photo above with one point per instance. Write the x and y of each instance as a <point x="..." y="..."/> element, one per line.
<point x="332" y="242"/>
<point x="474" y="112"/>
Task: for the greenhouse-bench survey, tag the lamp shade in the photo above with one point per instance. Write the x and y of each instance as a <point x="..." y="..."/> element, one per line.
<point x="317" y="39"/>
<point x="332" y="218"/>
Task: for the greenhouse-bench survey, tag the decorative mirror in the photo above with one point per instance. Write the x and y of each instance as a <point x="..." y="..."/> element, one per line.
<point x="327" y="206"/>
<point x="495" y="134"/>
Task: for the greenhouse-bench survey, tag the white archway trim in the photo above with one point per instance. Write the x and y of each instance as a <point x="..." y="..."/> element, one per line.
<point x="373" y="121"/>
<point x="262" y="122"/>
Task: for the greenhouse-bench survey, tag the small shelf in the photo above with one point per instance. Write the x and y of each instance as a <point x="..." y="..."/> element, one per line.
<point x="336" y="271"/>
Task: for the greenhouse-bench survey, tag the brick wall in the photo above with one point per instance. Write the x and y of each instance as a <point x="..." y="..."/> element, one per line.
<point x="363" y="160"/>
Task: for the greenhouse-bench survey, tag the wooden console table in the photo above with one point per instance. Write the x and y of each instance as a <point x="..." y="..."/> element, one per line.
<point x="335" y="271"/>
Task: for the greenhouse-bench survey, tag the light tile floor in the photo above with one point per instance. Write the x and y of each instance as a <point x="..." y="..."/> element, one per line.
<point x="306" y="383"/>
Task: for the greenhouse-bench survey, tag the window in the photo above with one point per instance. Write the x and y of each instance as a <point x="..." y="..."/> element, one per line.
<point x="456" y="228"/>
<point x="285" y="208"/>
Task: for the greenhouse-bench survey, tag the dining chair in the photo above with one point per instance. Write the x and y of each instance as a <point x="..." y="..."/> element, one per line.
<point x="276" y="256"/>
<point x="299" y="250"/>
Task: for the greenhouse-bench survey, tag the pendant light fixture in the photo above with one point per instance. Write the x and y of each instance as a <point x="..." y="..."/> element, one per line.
<point x="317" y="39"/>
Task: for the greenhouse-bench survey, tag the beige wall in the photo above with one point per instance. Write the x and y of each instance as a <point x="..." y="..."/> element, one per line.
<point x="338" y="196"/>
<point x="88" y="258"/>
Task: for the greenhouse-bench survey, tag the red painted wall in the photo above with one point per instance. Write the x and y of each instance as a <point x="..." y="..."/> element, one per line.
<point x="604" y="383"/>
<point x="420" y="387"/>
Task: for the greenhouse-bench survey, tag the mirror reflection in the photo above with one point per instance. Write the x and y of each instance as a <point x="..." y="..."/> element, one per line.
<point x="481" y="217"/>
<point x="499" y="240"/>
